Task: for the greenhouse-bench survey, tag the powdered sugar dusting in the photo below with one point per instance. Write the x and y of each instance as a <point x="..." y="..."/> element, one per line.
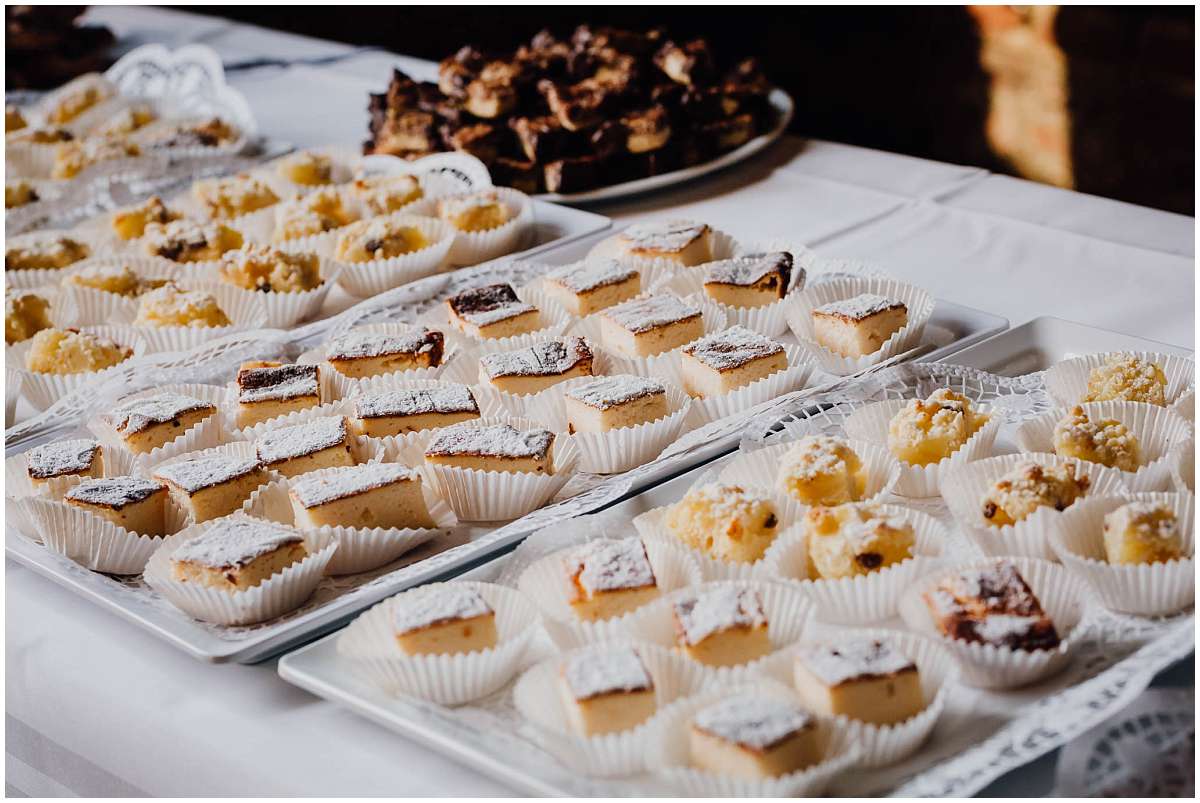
<point x="447" y="603"/>
<point x="859" y="307"/>
<point x="494" y="440"/>
<point x="594" y="671"/>
<point x="285" y="443"/>
<point x="732" y="348"/>
<point x="611" y="565"/>
<point x="486" y="305"/>
<point x="612" y="391"/>
<point x="114" y="492"/>
<point x="277" y="382"/>
<point x="234" y="542"/>
<point x="199" y="473"/>
<point x="312" y="490"/>
<point x="853" y="660"/>
<point x="747" y="270"/>
<point x="583" y="277"/>
<point x="666" y="237"/>
<point x="699" y="616"/>
<point x="361" y="345"/>
<point x="64" y="457"/>
<point x="758" y="723"/>
<point x="405" y="402"/>
<point x="136" y="415"/>
<point x="644" y="314"/>
<point x="550" y="358"/>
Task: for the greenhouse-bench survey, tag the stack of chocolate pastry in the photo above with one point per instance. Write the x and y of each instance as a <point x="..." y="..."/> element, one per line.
<point x="604" y="107"/>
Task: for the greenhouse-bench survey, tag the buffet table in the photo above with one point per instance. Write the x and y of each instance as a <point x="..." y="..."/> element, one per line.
<point x="98" y="707"/>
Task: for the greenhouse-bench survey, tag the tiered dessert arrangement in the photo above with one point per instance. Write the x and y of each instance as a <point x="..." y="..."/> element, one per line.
<point x="563" y="116"/>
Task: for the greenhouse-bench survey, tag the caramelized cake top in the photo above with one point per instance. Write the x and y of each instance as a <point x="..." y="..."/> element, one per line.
<point x="487" y="305"/>
<point x="611" y="565"/>
<point x="859" y="308"/>
<point x="493" y="440"/>
<point x="114" y="492"/>
<point x="756" y="723"/>
<point x="136" y="415"/>
<point x="277" y="383"/>
<point x="366" y="345"/>
<point x="663" y="237"/>
<point x="60" y="458"/>
<point x="749" y="269"/>
<point x="584" y="277"/>
<point x="640" y="315"/>
<point x="199" y="473"/>
<point x="551" y="358"/>
<point x="416" y="401"/>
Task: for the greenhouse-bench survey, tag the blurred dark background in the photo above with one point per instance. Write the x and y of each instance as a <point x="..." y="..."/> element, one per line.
<point x="1098" y="99"/>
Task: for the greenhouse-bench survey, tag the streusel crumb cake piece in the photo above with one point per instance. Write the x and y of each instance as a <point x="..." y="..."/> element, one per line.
<point x="726" y="522"/>
<point x="270" y="270"/>
<point x="930" y="430"/>
<point x="1107" y="441"/>
<point x="1124" y="377"/>
<point x="851" y="540"/>
<point x="1142" y="532"/>
<point x="1030" y="486"/>
<point x="70" y="351"/>
<point x="820" y="470"/>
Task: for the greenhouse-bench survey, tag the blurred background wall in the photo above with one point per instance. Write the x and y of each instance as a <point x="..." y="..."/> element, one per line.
<point x="1099" y="99"/>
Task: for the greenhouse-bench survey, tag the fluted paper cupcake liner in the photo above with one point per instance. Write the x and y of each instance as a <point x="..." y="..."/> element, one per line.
<point x="344" y="162"/>
<point x="882" y="745"/>
<point x="344" y="386"/>
<point x="43" y="277"/>
<point x="760" y="468"/>
<point x="1064" y="598"/>
<point x="473" y="247"/>
<point x="713" y="408"/>
<point x="538" y="696"/>
<point x="1067" y="381"/>
<point x="17" y="486"/>
<point x="63" y="312"/>
<point x="870" y="423"/>
<point x="478" y="495"/>
<point x="360" y="549"/>
<point x="666" y="364"/>
<point x="207" y="433"/>
<point x="1183" y="471"/>
<point x="281" y="593"/>
<point x="411" y="444"/>
<point x="147" y="136"/>
<point x="262" y="226"/>
<point x="244" y="310"/>
<point x="652" y="526"/>
<point x="965" y="488"/>
<point x="1155" y="589"/>
<point x="769" y="319"/>
<point x="369" y="645"/>
<point x="669" y="751"/>
<point x="862" y="599"/>
<point x="43" y="390"/>
<point x="618" y="449"/>
<point x="555" y="320"/>
<point x="721" y="244"/>
<point x="1159" y="432"/>
<point x="517" y="403"/>
<point x="818" y="293"/>
<point x="95" y="542"/>
<point x="237" y="449"/>
<point x="787" y="609"/>
<point x="545" y="582"/>
<point x="88" y="81"/>
<point x="13" y="385"/>
<point x="284" y="309"/>
<point x="1185" y="405"/>
<point x="93" y="307"/>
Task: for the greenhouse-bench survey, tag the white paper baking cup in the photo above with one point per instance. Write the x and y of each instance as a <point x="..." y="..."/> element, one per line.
<point x="344" y="386"/>
<point x="1064" y="598"/>
<point x="42" y="277"/>
<point x="17" y="487"/>
<point x="863" y="599"/>
<point x="42" y="390"/>
<point x="328" y="391"/>
<point x="360" y="549"/>
<point x="538" y="697"/>
<point x="503" y="495"/>
<point x="882" y="745"/>
<point x="759" y="468"/>
<point x="870" y="423"/>
<point x="669" y="751"/>
<point x="713" y="408"/>
<point x="1159" y="431"/>
<point x="369" y="645"/>
<point x="556" y="321"/>
<point x="13" y="385"/>
<point x="95" y="542"/>
<point x="1066" y="381"/>
<point x="1183" y="471"/>
<point x="206" y="434"/>
<point x="92" y="80"/>
<point x="787" y="609"/>
<point x="665" y="365"/>
<point x="820" y="292"/>
<point x="721" y="245"/>
<point x="236" y="449"/>
<point x="545" y="583"/>
<point x="652" y="526"/>
<point x="282" y="592"/>
<point x="345" y="163"/>
<point x="770" y="319"/>
<point x="365" y="279"/>
<point x="618" y="449"/>
<point x="650" y="278"/>
<point x="245" y="310"/>
<point x="1156" y="589"/>
<point x="469" y="372"/>
<point x="262" y="225"/>
<point x="473" y="247"/>
<point x="965" y="488"/>
<point x="94" y="307"/>
<point x="284" y="310"/>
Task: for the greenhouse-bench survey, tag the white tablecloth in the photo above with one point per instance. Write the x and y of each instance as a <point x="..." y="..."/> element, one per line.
<point x="97" y="707"/>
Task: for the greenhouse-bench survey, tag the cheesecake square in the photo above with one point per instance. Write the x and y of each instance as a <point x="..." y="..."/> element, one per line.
<point x="725" y="361"/>
<point x="856" y="327"/>
<point x="211" y="487"/>
<point x="650" y="325"/>
<point x="723" y="626"/>
<point x="298" y="449"/>
<point x="754" y="280"/>
<point x="396" y="412"/>
<point x="78" y="457"/>
<point x="863" y="679"/>
<point x="682" y="242"/>
<point x="450" y="619"/>
<point x="369" y="495"/>
<point x="237" y="553"/>
<point x="993" y="606"/>
<point x="753" y="737"/>
<point x="607" y="578"/>
<point x="149" y="422"/>
<point x="542" y="365"/>
<point x="268" y="390"/>
<point x="615" y="402"/>
<point x="588" y="287"/>
<point x="493" y="311"/>
<point x="132" y="503"/>
<point x="496" y="447"/>
<point x="363" y="354"/>
<point x="606" y="689"/>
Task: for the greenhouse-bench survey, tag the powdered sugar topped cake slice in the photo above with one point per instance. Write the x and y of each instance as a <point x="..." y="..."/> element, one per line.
<point x="732" y="348"/>
<point x="487" y="305"/>
<point x="279" y="382"/>
<point x="757" y="723"/>
<point x="493" y="440"/>
<point x="312" y="490"/>
<point x="860" y="307"/>
<point x="548" y="358"/>
<point x="611" y="565"/>
<point x="114" y="492"/>
<point x="286" y="443"/>
<point x="583" y="277"/>
<point x="136" y="415"/>
<point x="750" y="269"/>
<point x="199" y="473"/>
<point x="664" y="237"/>
<point x="416" y="401"/>
<point x="604" y="669"/>
<point x="651" y="312"/>
<point x="363" y="345"/>
<point x="612" y="391"/>
<point x="700" y="615"/>
<point x="992" y="605"/>
<point x="447" y="603"/>
<point x="234" y="542"/>
<point x="59" y="459"/>
<point x="853" y="660"/>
